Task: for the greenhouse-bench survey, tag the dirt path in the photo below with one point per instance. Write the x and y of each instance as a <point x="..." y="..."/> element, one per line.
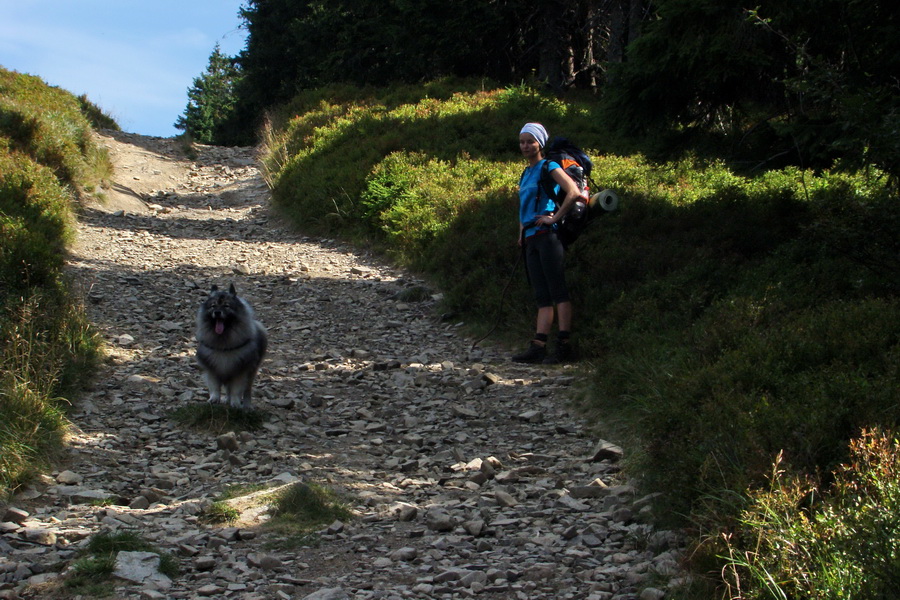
<point x="467" y="475"/>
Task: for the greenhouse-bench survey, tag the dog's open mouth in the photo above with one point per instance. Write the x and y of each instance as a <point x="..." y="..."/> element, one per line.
<point x="220" y="326"/>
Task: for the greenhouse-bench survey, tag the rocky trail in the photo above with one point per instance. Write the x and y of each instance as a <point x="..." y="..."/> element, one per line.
<point x="467" y="475"/>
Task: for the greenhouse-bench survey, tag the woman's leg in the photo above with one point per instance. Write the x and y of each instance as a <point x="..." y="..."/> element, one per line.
<point x="544" y="320"/>
<point x="536" y="350"/>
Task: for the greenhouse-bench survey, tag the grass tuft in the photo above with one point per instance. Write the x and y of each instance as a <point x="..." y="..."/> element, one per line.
<point x="299" y="510"/>
<point x="220" y="512"/>
<point x="46" y="351"/>
<point x="91" y="574"/>
<point x="218" y="418"/>
<point x="309" y="503"/>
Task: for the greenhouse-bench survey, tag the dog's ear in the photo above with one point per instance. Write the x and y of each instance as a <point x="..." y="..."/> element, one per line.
<point x="231" y="290"/>
<point x="213" y="288"/>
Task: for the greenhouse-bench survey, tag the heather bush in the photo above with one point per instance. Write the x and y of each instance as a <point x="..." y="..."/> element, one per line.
<point x="723" y="316"/>
<point x="47" y="348"/>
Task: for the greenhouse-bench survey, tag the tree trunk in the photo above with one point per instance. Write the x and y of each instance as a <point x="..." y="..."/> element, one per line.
<point x="556" y="66"/>
<point x="590" y="65"/>
<point x="618" y="30"/>
<point x="638" y="11"/>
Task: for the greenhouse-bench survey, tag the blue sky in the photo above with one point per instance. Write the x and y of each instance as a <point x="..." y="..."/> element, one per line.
<point x="134" y="59"/>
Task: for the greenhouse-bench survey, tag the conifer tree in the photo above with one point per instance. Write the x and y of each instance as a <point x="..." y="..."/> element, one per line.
<point x="211" y="100"/>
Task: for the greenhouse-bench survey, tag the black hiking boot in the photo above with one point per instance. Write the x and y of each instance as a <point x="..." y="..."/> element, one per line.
<point x="534" y="354"/>
<point x="562" y="354"/>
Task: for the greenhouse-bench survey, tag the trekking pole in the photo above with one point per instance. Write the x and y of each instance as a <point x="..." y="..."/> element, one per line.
<point x="500" y="305"/>
<point x="503" y="294"/>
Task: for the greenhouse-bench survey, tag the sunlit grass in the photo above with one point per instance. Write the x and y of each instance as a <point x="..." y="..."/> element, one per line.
<point x="300" y="510"/>
<point x="221" y="511"/>
<point x="47" y="347"/>
<point x="46" y="350"/>
<point x="800" y="539"/>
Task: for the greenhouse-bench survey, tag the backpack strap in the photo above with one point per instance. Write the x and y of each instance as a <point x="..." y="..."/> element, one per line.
<point x="543" y="184"/>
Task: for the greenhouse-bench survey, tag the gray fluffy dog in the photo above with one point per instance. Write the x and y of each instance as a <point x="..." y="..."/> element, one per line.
<point x="231" y="347"/>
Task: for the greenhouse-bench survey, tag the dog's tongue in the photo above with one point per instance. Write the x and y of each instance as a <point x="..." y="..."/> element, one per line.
<point x="220" y="326"/>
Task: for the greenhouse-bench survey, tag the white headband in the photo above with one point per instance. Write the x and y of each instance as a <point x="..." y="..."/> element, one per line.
<point x="537" y="131"/>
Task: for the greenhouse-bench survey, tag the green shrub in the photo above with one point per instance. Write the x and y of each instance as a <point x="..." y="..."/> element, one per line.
<point x="747" y="380"/>
<point x="35" y="224"/>
<point x="320" y="160"/>
<point x="797" y="539"/>
<point x="49" y="125"/>
<point x="722" y="317"/>
<point x="414" y="200"/>
<point x="47" y="348"/>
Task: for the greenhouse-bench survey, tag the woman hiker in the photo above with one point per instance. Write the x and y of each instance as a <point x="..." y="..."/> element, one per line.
<point x="544" y="252"/>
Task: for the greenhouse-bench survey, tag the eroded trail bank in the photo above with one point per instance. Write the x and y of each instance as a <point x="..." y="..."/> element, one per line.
<point x="467" y="474"/>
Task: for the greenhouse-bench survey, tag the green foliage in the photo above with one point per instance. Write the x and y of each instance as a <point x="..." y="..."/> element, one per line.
<point x="47" y="348"/>
<point x="774" y="84"/>
<point x="35" y="222"/>
<point x="92" y="576"/>
<point x="211" y="101"/>
<point x="220" y="512"/>
<point x="29" y="427"/>
<point x="96" y="116"/>
<point x="698" y="63"/>
<point x="308" y="505"/>
<point x="297" y="46"/>
<point x="107" y="542"/>
<point x="414" y="199"/>
<point x="300" y="510"/>
<point x="748" y="335"/>
<point x="49" y="125"/>
<point x="798" y="539"/>
<point x="47" y="352"/>
<point x="319" y="165"/>
<point x="841" y="97"/>
<point x="724" y="318"/>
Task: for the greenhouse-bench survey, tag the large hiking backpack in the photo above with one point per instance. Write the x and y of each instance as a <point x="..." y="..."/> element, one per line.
<point x="577" y="165"/>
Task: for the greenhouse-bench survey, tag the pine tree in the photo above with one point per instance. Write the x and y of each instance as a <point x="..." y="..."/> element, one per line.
<point x="211" y="100"/>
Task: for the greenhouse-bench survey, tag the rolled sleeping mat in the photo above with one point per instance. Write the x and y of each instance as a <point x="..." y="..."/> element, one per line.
<point x="605" y="200"/>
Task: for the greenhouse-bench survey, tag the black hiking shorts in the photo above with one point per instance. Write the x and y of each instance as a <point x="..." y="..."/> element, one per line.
<point x="544" y="256"/>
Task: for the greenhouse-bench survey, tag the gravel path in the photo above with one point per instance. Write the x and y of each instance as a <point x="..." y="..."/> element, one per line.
<point x="467" y="474"/>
